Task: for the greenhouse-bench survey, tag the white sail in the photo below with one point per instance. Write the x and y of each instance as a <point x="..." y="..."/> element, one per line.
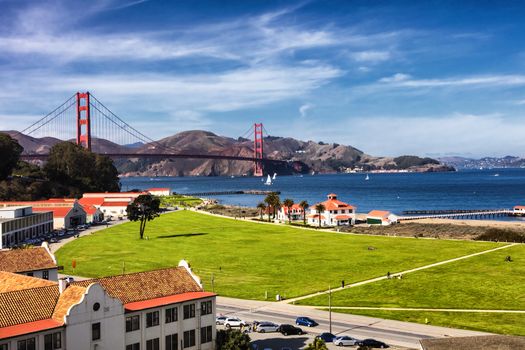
<point x="367" y="177"/>
<point x="268" y="180"/>
<point x="274" y="176"/>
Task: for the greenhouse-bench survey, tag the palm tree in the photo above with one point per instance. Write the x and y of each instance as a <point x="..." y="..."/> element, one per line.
<point x="269" y="200"/>
<point x="304" y="205"/>
<point x="274" y="202"/>
<point x="288" y="203"/>
<point x="319" y="208"/>
<point x="262" y="207"/>
<point x="318" y="344"/>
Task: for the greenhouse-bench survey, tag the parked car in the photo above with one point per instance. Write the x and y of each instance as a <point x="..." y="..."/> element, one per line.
<point x="372" y="343"/>
<point x="69" y="279"/>
<point x="220" y="319"/>
<point x="234" y="322"/>
<point x="345" y="341"/>
<point x="305" y="321"/>
<point x="326" y="337"/>
<point x="288" y="329"/>
<point x="264" y="327"/>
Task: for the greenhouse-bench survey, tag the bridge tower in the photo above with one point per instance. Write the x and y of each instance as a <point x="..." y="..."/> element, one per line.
<point x="258" y="149"/>
<point x="83" y="120"/>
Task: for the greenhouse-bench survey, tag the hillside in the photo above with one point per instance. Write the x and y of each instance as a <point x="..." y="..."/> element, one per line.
<point x="303" y="156"/>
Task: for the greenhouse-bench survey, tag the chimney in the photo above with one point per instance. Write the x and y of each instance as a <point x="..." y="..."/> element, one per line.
<point x="62" y="285"/>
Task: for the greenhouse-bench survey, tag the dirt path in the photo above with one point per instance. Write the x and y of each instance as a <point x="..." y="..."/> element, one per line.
<point x="394" y="275"/>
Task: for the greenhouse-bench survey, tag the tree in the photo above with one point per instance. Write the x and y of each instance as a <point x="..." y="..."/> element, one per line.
<point x="78" y="170"/>
<point x="262" y="207"/>
<point x="304" y="205"/>
<point x="232" y="339"/>
<point x="317" y="344"/>
<point x="319" y="208"/>
<point x="288" y="203"/>
<point x="144" y="208"/>
<point x="273" y="202"/>
<point x="10" y="151"/>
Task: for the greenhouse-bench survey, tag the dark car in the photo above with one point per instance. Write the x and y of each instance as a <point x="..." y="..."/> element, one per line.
<point x="373" y="343"/>
<point x="288" y="329"/>
<point x="326" y="337"/>
<point x="305" y="321"/>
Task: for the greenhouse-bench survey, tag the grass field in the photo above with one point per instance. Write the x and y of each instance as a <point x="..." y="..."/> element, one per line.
<point x="484" y="321"/>
<point x="248" y="259"/>
<point x="482" y="282"/>
<point x="179" y="200"/>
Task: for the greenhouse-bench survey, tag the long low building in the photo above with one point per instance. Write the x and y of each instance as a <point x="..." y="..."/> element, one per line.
<point x="20" y="223"/>
<point x="161" y="309"/>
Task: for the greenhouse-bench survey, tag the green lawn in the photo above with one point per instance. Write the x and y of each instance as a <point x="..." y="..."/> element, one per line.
<point x="483" y="282"/>
<point x="486" y="322"/>
<point x="247" y="258"/>
<point x="179" y="200"/>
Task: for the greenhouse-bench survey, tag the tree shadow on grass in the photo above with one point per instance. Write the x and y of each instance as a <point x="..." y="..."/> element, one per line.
<point x="183" y="235"/>
<point x="278" y="342"/>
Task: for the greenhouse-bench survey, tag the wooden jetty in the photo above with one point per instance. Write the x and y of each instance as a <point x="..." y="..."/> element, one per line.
<point x="454" y="214"/>
<point x="225" y="193"/>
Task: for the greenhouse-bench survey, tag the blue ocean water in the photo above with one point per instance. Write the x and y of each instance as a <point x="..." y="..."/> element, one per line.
<point x="473" y="189"/>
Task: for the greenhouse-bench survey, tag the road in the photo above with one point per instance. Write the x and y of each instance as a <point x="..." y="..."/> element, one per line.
<point x="403" y="334"/>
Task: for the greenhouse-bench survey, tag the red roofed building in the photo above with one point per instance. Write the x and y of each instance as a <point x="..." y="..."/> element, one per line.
<point x="161" y="309"/>
<point x="296" y="213"/>
<point x="519" y="210"/>
<point x="336" y="213"/>
<point x="380" y="217"/>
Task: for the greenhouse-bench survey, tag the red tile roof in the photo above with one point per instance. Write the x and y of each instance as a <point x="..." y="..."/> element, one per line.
<point x="27" y="305"/>
<point x="172" y="299"/>
<point x="58" y="212"/>
<point x="24" y="260"/>
<point x="30" y="327"/>
<point x="91" y="201"/>
<point x="379" y="213"/>
<point x="342" y="217"/>
<point x="115" y="204"/>
<point x="519" y="207"/>
<point x="10" y="282"/>
<point x="316" y="216"/>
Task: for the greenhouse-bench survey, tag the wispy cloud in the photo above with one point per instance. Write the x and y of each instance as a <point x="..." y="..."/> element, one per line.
<point x="406" y="81"/>
<point x="371" y="56"/>
<point x="303" y="110"/>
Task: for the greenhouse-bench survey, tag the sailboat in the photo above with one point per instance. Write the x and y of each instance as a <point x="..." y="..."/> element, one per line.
<point x="268" y="180"/>
<point x="367" y="177"/>
<point x="274" y="176"/>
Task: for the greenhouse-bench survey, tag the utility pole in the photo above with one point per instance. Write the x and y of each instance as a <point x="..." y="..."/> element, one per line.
<point x="330" y="307"/>
<point x="212" y="283"/>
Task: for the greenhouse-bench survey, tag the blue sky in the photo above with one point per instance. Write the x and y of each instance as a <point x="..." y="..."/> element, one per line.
<point x="430" y="78"/>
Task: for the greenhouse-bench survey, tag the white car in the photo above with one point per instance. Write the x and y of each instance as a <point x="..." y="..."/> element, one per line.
<point x="264" y="327"/>
<point x="220" y="319"/>
<point x="345" y="341"/>
<point x="234" y="322"/>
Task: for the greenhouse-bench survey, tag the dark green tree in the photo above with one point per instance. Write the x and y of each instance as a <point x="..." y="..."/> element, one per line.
<point x="107" y="175"/>
<point x="232" y="339"/>
<point x="304" y="205"/>
<point x="262" y="207"/>
<point x="319" y="208"/>
<point x="317" y="344"/>
<point x="144" y="208"/>
<point x="10" y="151"/>
<point x="288" y="203"/>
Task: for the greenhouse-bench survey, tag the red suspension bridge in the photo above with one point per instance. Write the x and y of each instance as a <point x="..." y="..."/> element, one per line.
<point x="85" y="120"/>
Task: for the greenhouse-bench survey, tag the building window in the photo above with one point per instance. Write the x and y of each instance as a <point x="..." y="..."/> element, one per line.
<point x="30" y="274"/>
<point x="27" y="344"/>
<point x="206" y="334"/>
<point x="171" y="315"/>
<point x="53" y="341"/>
<point x="153" y="344"/>
<point x="3" y="347"/>
<point x="189" y="338"/>
<point x="135" y="346"/>
<point x="189" y="311"/>
<point x="206" y="308"/>
<point x="132" y="323"/>
<point x="45" y="274"/>
<point x="152" y="319"/>
<point x="172" y="342"/>
<point x="95" y="331"/>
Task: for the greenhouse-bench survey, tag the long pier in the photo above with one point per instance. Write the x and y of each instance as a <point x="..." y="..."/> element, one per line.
<point x="225" y="193"/>
<point x="454" y="214"/>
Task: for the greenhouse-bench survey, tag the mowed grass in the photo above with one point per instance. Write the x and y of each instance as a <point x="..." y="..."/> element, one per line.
<point x="482" y="282"/>
<point x="248" y="259"/>
<point x="503" y="323"/>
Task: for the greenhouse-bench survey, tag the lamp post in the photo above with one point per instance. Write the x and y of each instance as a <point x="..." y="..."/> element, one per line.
<point x="330" y="307"/>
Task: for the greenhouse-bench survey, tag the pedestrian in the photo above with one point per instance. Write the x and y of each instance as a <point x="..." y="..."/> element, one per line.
<point x="388" y="275"/>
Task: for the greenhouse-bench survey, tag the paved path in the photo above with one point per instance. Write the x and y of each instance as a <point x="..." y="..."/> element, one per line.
<point x="394" y="275"/>
<point x="393" y="332"/>
<point x="416" y="309"/>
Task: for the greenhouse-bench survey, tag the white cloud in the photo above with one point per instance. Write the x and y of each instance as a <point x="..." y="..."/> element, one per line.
<point x="406" y="81"/>
<point x="371" y="56"/>
<point x="305" y="108"/>
<point x="520" y="102"/>
<point x="398" y="77"/>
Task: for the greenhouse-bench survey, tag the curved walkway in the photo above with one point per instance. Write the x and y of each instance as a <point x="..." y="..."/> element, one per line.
<point x="394" y="275"/>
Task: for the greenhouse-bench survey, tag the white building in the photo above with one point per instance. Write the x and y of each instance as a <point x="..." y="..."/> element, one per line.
<point x="159" y="191"/>
<point x="19" y="223"/>
<point x="162" y="309"/>
<point x="519" y="210"/>
<point x="296" y="213"/>
<point x="35" y="262"/>
<point x="336" y="213"/>
<point x="381" y="217"/>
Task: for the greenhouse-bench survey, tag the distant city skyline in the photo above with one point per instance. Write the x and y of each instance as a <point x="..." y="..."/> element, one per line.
<point x="390" y="78"/>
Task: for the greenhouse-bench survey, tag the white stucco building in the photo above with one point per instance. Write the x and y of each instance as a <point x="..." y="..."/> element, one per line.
<point x="156" y="310"/>
<point x="20" y="223"/>
<point x="336" y="213"/>
<point x="381" y="217"/>
<point x="35" y="262"/>
<point x="296" y="213"/>
<point x="159" y="191"/>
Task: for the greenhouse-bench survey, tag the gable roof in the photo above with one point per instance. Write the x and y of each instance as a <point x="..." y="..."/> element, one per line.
<point x="115" y="204"/>
<point x="58" y="212"/>
<point x="379" y="213"/>
<point x="23" y="260"/>
<point x="72" y="295"/>
<point x="147" y="285"/>
<point x="10" y="282"/>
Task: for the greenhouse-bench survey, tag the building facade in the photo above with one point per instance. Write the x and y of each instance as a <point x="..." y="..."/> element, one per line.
<point x="296" y="213"/>
<point x="19" y="224"/>
<point x="35" y="262"/>
<point x="381" y="217"/>
<point x="336" y="213"/>
<point x="156" y="310"/>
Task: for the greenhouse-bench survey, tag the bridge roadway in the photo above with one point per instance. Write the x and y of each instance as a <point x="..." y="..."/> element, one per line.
<point x="460" y="215"/>
<point x="167" y="155"/>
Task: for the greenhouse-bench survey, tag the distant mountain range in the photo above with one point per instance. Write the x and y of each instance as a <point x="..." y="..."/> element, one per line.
<point x="303" y="156"/>
<point x="484" y="163"/>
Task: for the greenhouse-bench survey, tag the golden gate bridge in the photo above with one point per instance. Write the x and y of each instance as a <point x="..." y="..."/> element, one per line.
<point x="85" y="120"/>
